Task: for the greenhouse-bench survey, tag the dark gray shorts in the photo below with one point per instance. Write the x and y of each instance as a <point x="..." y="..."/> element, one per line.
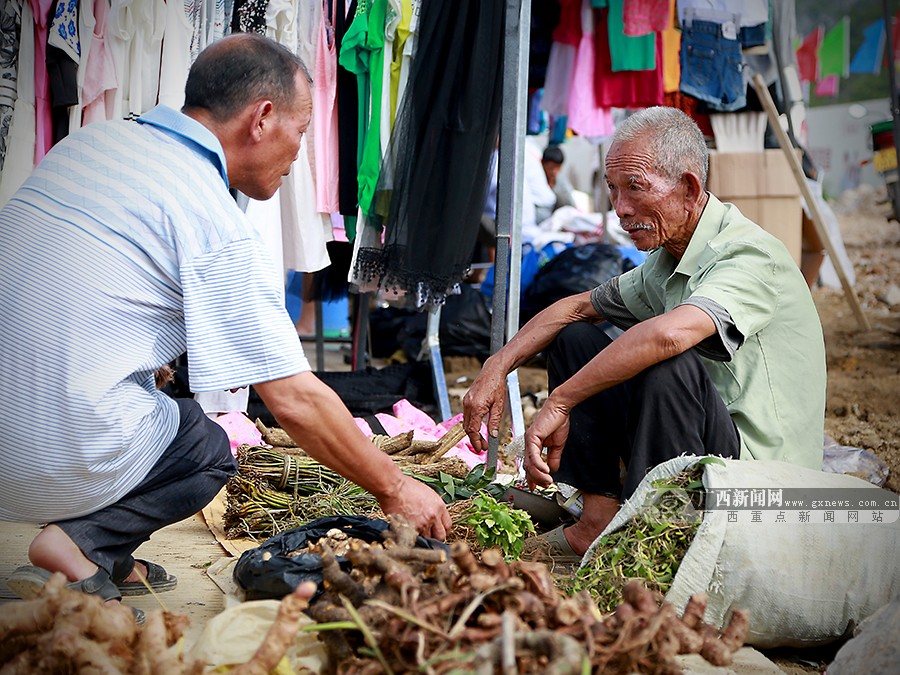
<point x="187" y="476"/>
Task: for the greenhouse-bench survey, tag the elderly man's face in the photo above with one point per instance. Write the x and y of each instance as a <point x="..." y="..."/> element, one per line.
<point x="650" y="207"/>
<point x="281" y="142"/>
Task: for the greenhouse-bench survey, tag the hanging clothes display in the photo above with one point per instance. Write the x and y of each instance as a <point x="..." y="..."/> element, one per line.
<point x="10" y="29"/>
<point x="63" y="56"/>
<point x="711" y="65"/>
<point x="175" y="59"/>
<point x="21" y="138"/>
<point x="325" y="113"/>
<point x="43" y="107"/>
<point x="640" y="17"/>
<point x="432" y="183"/>
<point x="623" y="89"/>
<point x="97" y="70"/>
<point x="362" y="53"/>
<point x="347" y="99"/>
<point x="671" y="46"/>
<point x="587" y="116"/>
<point x="626" y="52"/>
<point x="561" y="61"/>
<point x="402" y="50"/>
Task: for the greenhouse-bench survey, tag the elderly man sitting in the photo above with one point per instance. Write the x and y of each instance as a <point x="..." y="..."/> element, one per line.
<point x="722" y="352"/>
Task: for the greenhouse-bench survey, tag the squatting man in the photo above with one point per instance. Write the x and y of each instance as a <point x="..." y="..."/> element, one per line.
<point x="121" y="251"/>
<point x="722" y="351"/>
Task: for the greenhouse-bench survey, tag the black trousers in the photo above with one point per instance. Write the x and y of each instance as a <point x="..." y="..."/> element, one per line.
<point x="670" y="409"/>
<point x="187" y="476"/>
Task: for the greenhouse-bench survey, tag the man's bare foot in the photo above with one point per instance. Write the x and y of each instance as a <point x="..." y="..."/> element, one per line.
<point x="597" y="512"/>
<point x="138" y="573"/>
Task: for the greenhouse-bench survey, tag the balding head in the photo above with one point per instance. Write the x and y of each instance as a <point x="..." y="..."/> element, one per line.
<point x="239" y="70"/>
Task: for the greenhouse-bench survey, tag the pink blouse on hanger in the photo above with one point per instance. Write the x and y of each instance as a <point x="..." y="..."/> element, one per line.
<point x="586" y="116"/>
<point x="100" y="71"/>
<point x="43" y="120"/>
<point x="325" y="114"/>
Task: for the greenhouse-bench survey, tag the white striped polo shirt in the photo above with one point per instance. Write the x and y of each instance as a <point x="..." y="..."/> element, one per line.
<point x="122" y="250"/>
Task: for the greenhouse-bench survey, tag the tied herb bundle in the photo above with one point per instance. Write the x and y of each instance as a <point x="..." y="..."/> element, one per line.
<point x="651" y="545"/>
<point x="274" y="491"/>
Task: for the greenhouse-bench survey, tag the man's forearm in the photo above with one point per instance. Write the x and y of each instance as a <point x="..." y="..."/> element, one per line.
<point x="540" y="331"/>
<point x="320" y="423"/>
<point x="641" y="346"/>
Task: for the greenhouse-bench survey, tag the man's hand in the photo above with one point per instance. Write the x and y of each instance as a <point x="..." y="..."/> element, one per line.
<point x="484" y="398"/>
<point x="550" y="429"/>
<point x="420" y="505"/>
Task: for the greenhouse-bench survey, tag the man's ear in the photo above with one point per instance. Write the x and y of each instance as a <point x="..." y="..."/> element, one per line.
<point x="259" y="116"/>
<point x="693" y="189"/>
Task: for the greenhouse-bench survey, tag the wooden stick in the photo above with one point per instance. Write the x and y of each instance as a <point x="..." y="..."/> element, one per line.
<point x="815" y="215"/>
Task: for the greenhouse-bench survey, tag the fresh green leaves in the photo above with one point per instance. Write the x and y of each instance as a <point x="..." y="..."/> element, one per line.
<point x="498" y="525"/>
<point x="452" y="489"/>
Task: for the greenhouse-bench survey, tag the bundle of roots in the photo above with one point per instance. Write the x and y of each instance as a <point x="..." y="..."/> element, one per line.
<point x="403" y="609"/>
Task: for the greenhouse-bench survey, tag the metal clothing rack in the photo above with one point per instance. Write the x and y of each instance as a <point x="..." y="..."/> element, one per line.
<point x="508" y="261"/>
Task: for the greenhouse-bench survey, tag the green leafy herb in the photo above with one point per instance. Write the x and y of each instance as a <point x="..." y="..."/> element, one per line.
<point x="499" y="525"/>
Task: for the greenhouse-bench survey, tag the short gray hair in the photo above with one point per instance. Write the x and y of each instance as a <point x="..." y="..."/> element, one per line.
<point x="670" y="136"/>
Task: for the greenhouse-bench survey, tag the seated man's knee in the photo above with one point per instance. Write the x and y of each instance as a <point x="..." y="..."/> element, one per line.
<point x="683" y="368"/>
<point x="574" y="346"/>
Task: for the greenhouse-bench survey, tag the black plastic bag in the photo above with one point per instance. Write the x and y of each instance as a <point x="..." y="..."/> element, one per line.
<point x="272" y="576"/>
<point x="574" y="270"/>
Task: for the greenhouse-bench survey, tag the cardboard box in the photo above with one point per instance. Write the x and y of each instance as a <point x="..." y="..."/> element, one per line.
<point x="763" y="187"/>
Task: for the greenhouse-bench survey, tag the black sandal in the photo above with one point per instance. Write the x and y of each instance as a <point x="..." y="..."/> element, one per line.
<point x="28" y="580"/>
<point x="157" y="579"/>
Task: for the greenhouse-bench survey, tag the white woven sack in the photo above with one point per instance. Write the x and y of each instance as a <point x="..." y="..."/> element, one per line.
<point x="804" y="583"/>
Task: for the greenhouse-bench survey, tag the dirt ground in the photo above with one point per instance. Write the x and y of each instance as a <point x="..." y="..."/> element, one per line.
<point x="863" y="401"/>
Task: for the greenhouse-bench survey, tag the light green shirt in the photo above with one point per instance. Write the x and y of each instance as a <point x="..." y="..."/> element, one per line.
<point x="774" y="385"/>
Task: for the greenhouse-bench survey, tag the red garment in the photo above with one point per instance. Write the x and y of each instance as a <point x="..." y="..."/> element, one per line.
<point x="641" y="17"/>
<point x="43" y="107"/>
<point x="808" y="56"/>
<point x="568" y="30"/>
<point x="627" y="88"/>
<point x="689" y="106"/>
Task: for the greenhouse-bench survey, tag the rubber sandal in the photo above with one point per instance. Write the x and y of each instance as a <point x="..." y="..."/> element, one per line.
<point x="28" y="580"/>
<point x="157" y="578"/>
<point x="552" y="545"/>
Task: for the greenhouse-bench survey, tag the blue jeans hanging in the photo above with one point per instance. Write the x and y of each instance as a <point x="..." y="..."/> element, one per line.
<point x="711" y="66"/>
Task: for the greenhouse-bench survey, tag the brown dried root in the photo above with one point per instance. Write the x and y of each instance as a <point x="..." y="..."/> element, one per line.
<point x="454" y="466"/>
<point x="66" y="631"/>
<point x="276" y="436"/>
<point x="281" y="633"/>
<point x="391" y="445"/>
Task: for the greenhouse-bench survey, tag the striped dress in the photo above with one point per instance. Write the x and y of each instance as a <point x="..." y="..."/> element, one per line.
<point x="123" y="250"/>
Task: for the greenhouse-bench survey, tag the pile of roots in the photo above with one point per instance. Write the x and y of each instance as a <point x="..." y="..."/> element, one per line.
<point x="66" y="631"/>
<point x="402" y="609"/>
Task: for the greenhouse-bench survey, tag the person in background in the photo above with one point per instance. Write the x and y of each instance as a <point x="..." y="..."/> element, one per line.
<point x="123" y="250"/>
<point x="722" y="351"/>
<point x="552" y="161"/>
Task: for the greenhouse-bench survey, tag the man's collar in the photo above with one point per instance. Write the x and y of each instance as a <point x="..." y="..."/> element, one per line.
<point x="707" y="228"/>
<point x="189" y="132"/>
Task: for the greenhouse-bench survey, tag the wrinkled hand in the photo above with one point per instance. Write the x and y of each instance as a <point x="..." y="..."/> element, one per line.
<point x="421" y="506"/>
<point x="484" y="398"/>
<point x="550" y="429"/>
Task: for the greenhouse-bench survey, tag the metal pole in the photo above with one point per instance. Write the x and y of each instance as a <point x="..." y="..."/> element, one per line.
<point x="895" y="109"/>
<point x="508" y="260"/>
